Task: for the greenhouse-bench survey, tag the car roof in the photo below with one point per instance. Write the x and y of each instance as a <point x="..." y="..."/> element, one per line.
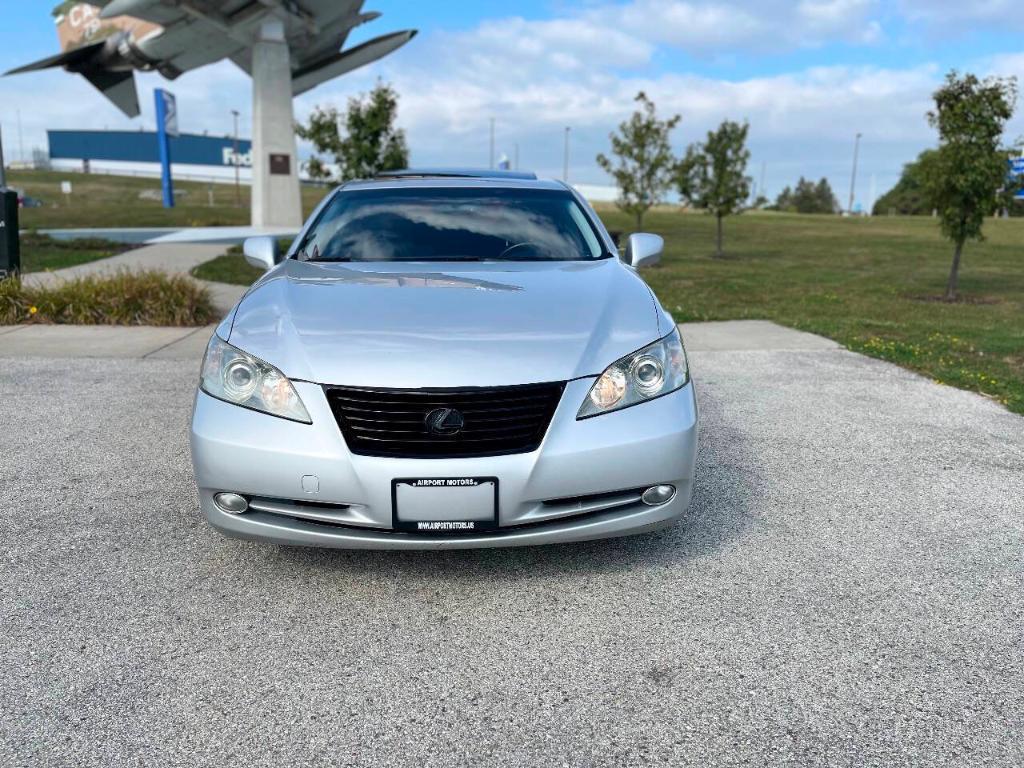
<point x="459" y="173"/>
<point x="454" y="177"/>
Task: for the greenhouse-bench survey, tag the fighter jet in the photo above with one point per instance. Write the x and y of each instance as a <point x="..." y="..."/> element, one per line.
<point x="107" y="41"/>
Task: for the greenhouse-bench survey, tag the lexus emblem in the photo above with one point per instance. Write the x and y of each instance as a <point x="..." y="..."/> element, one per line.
<point x="444" y="422"/>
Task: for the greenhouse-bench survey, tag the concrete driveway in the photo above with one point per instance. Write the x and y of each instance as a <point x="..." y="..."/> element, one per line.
<point x="848" y="592"/>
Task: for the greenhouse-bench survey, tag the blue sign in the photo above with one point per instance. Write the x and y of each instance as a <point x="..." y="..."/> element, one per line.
<point x="1017" y="169"/>
<point x="166" y="126"/>
<point x="141" y="147"/>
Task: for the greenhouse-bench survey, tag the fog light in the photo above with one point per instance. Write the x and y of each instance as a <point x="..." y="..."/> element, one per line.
<point x="231" y="503"/>
<point x="657" y="495"/>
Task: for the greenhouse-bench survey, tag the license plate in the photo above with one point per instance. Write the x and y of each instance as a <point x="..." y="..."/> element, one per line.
<point x="445" y="505"/>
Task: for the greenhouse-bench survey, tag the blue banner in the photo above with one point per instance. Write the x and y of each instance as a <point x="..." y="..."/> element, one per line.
<point x="1017" y="169"/>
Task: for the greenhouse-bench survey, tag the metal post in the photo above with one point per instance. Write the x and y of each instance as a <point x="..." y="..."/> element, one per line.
<point x="853" y="178"/>
<point x="236" y="161"/>
<point x="164" y="142"/>
<point x="10" y="238"/>
<point x="565" y="159"/>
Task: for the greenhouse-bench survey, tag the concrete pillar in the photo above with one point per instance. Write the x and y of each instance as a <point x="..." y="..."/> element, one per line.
<point x="275" y="175"/>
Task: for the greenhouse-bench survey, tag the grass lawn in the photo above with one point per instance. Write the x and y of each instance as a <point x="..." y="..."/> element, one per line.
<point x="40" y="253"/>
<point x="122" y="298"/>
<point x="113" y="201"/>
<point x="870" y="284"/>
<point x="230" y="267"/>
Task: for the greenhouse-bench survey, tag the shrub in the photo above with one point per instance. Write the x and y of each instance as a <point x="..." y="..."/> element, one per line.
<point x="120" y="298"/>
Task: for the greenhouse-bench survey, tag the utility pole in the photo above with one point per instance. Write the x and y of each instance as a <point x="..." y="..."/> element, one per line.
<point x="238" y="188"/>
<point x="3" y="170"/>
<point x="853" y="178"/>
<point x="492" y="143"/>
<point x="565" y="159"/>
<point x="21" y="139"/>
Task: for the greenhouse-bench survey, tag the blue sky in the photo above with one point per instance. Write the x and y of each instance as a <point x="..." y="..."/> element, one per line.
<point x="808" y="75"/>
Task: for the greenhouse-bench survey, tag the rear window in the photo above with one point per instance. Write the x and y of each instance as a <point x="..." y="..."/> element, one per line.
<point x="452" y="224"/>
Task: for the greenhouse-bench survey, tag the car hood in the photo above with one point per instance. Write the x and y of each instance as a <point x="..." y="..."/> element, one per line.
<point x="445" y="325"/>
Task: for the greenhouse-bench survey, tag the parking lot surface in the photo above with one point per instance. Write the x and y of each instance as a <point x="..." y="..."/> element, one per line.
<point x="849" y="591"/>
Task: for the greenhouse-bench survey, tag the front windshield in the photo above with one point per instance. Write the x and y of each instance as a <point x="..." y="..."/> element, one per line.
<point x="452" y="224"/>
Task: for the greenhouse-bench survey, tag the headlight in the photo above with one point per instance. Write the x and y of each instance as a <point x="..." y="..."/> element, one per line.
<point x="644" y="375"/>
<point x="231" y="375"/>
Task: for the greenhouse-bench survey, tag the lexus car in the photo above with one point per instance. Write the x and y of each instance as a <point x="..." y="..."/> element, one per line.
<point x="446" y="359"/>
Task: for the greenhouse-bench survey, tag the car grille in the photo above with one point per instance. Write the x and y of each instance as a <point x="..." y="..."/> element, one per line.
<point x="393" y="422"/>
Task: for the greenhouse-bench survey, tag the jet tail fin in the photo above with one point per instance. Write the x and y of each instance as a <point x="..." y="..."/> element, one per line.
<point x="119" y="87"/>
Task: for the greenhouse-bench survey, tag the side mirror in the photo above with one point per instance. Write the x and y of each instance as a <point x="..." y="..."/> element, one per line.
<point x="261" y="252"/>
<point x="644" y="250"/>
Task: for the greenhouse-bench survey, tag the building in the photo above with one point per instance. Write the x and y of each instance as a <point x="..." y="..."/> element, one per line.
<point x="136" y="153"/>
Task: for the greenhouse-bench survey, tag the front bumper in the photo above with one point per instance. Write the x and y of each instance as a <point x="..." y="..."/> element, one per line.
<point x="579" y="485"/>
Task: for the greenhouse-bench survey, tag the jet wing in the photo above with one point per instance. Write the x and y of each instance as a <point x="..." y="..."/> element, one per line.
<point x="230" y="16"/>
<point x="339" y="63"/>
<point x="193" y="33"/>
<point x="72" y="58"/>
<point x="119" y="87"/>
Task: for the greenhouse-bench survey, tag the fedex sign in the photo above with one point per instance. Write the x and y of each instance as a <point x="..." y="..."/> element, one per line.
<point x="232" y="158"/>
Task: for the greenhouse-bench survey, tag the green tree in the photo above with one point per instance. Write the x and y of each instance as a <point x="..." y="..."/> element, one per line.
<point x="808" y="197"/>
<point x="910" y="195"/>
<point x="970" y="165"/>
<point x="645" y="164"/>
<point x="712" y="175"/>
<point x="370" y="144"/>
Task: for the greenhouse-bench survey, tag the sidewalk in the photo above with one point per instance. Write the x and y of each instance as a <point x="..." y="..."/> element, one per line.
<point x="103" y="341"/>
<point x="173" y="259"/>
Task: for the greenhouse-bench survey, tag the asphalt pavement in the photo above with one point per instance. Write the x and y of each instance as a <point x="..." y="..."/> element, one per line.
<point x="849" y="591"/>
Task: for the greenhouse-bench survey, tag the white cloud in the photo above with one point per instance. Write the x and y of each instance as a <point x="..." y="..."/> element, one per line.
<point x="949" y="13"/>
<point x="722" y="27"/>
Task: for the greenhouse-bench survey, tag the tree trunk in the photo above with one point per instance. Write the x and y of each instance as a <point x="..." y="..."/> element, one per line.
<point x="718" y="237"/>
<point x="954" y="273"/>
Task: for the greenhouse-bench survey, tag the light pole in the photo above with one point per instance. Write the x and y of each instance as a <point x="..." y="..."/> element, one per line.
<point x="565" y="159"/>
<point x="853" y="178"/>
<point x="492" y="143"/>
<point x="238" y="188"/>
<point x="3" y="171"/>
<point x="21" y="139"/>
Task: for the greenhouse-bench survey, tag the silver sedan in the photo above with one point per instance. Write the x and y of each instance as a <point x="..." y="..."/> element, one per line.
<point x="446" y="360"/>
